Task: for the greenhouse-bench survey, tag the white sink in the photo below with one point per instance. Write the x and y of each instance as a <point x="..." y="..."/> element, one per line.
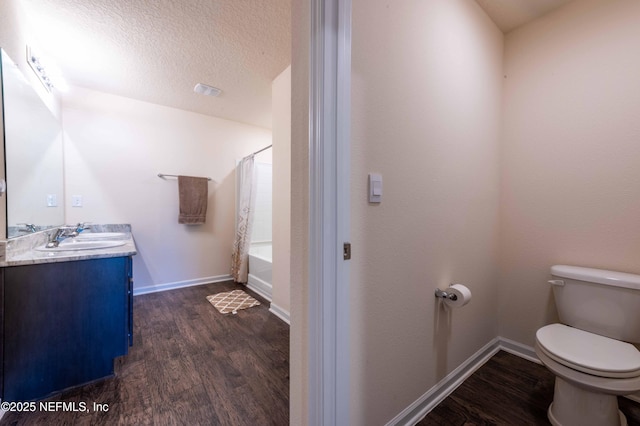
<point x="74" y="245"/>
<point x="85" y="236"/>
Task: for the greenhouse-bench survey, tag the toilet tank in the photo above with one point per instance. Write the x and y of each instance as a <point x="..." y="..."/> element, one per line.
<point x="598" y="301"/>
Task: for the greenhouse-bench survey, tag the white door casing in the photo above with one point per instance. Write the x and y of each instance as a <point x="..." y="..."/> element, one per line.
<point x="329" y="211"/>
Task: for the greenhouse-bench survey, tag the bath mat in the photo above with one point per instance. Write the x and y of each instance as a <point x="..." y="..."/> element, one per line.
<point x="232" y="301"/>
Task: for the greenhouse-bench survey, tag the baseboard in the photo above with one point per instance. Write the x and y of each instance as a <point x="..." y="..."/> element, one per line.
<point x="518" y="349"/>
<point x="427" y="402"/>
<point x="180" y="284"/>
<point x="280" y="313"/>
<point x="261" y="287"/>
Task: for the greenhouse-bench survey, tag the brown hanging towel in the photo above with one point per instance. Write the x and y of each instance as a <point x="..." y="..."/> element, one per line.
<point x="193" y="193"/>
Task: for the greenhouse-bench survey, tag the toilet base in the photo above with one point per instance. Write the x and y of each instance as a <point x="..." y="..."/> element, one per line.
<point x="576" y="406"/>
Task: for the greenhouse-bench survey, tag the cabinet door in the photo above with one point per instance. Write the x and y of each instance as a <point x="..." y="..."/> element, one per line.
<point x="64" y="323"/>
<point x="129" y="267"/>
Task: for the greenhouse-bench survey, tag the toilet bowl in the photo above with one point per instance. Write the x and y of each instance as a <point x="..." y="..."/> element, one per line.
<point x="589" y="352"/>
<point x="591" y="370"/>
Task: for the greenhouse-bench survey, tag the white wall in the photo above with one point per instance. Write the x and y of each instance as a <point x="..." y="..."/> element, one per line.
<point x="281" y="111"/>
<point x="263" y="213"/>
<point x="426" y="105"/>
<point x="114" y="149"/>
<point x="571" y="154"/>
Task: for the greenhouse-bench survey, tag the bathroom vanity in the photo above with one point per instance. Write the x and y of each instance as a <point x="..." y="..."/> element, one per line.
<point x="65" y="316"/>
<point x="65" y="313"/>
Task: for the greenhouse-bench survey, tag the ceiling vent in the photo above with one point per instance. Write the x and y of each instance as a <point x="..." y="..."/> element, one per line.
<point x="206" y="90"/>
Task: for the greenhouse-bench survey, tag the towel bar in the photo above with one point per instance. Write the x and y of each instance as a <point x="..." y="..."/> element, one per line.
<point x="162" y="175"/>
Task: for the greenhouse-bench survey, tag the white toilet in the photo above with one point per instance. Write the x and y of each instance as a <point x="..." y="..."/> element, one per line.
<point x="588" y="352"/>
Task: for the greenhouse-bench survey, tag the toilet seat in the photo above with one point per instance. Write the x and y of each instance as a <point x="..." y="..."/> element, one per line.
<point x="588" y="352"/>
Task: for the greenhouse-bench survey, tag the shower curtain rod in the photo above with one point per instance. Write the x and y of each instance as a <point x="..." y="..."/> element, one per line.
<point x="259" y="151"/>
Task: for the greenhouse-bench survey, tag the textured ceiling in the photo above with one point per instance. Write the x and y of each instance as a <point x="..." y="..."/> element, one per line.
<point x="510" y="14"/>
<point x="157" y="50"/>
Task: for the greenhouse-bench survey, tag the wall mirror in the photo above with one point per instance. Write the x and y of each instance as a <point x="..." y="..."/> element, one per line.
<point x="33" y="156"/>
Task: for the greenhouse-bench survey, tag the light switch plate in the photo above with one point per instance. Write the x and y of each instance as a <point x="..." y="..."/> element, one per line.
<point x="52" y="200"/>
<point x="76" y="201"/>
<point x="375" y="188"/>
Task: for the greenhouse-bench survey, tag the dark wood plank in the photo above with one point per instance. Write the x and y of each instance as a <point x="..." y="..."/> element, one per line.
<point x="189" y="365"/>
<point x="192" y="365"/>
<point x="507" y="390"/>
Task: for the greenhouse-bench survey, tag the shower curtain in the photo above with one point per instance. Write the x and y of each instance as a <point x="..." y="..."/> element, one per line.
<point x="244" y="222"/>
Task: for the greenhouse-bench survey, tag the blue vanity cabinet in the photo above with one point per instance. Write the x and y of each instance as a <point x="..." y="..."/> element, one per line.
<point x="63" y="324"/>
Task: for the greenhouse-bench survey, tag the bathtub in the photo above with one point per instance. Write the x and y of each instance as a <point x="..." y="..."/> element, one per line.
<point x="260" y="269"/>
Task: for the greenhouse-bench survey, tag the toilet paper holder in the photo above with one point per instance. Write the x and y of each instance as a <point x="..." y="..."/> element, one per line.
<point x="444" y="295"/>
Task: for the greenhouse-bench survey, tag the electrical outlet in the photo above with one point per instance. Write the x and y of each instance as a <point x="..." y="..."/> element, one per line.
<point x="76" y="201"/>
<point x="52" y="200"/>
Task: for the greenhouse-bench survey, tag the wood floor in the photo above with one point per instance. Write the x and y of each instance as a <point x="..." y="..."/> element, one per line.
<point x="190" y="365"/>
<point x="507" y="390"/>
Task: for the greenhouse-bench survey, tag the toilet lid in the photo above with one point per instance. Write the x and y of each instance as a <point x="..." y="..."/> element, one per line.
<point x="588" y="352"/>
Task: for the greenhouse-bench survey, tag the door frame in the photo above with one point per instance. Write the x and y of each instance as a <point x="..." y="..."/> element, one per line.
<point x="329" y="211"/>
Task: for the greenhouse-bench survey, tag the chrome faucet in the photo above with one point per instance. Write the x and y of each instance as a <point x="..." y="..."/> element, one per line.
<point x="81" y="226"/>
<point x="65" y="232"/>
<point x="30" y="227"/>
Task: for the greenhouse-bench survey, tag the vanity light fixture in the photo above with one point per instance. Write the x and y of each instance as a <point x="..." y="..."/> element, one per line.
<point x="205" y="89"/>
<point x="50" y="77"/>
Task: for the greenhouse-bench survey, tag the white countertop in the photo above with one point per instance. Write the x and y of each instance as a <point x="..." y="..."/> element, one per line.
<point x="24" y="252"/>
